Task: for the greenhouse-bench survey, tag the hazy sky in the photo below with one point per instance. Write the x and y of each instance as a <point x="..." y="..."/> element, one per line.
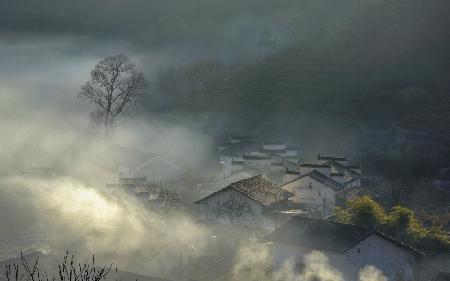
<point x="48" y="47"/>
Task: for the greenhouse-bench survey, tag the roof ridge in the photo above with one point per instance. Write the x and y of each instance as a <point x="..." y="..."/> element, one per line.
<point x="335" y="222"/>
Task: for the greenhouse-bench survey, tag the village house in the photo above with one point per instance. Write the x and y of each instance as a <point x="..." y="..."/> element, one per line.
<point x="130" y="164"/>
<point x="348" y="247"/>
<point x="341" y="171"/>
<point x="314" y="191"/>
<point x="249" y="202"/>
<point x="245" y="154"/>
<point x="318" y="186"/>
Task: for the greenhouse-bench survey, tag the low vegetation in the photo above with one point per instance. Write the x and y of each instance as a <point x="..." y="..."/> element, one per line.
<point x="399" y="222"/>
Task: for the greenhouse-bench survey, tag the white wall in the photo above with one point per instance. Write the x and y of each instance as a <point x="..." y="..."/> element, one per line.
<point x="373" y="250"/>
<point x="226" y="164"/>
<point x="352" y="184"/>
<point x="339" y="179"/>
<point x="313" y="194"/>
<point x="384" y="255"/>
<point x="274" y="146"/>
<point x="289" y="177"/>
<point x="284" y="252"/>
<point x="158" y="170"/>
<point x="323" y="170"/>
<point x="211" y="209"/>
<point x="125" y="172"/>
<point x="236" y="168"/>
<point x="263" y="164"/>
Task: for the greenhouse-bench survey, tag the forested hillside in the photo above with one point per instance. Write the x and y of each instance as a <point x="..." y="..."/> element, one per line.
<point x="387" y="65"/>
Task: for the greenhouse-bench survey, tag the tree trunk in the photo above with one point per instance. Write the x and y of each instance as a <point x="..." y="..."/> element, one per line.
<point x="107" y="126"/>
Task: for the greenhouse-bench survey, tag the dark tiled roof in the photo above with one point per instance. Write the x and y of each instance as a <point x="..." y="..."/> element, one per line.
<point x="290" y="172"/>
<point x="263" y="150"/>
<point x="237" y="137"/>
<point x="273" y="142"/>
<point x="352" y="180"/>
<point x="326" y="235"/>
<point x="331" y="158"/>
<point x="341" y="168"/>
<point x="237" y="162"/>
<point x="325" y="180"/>
<point x="257" y="188"/>
<point x="315" y="165"/>
<point x="237" y="149"/>
<point x="256" y="157"/>
<point x="320" y="178"/>
<point x="292" y="147"/>
<point x="441" y="276"/>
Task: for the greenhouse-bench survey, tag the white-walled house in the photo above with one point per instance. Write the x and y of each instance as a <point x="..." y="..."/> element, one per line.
<point x="351" y="174"/>
<point x="348" y="247"/>
<point x="314" y="191"/>
<point x="131" y="163"/>
<point x="248" y="202"/>
<point x="324" y="169"/>
<point x="268" y="157"/>
<point x="325" y="159"/>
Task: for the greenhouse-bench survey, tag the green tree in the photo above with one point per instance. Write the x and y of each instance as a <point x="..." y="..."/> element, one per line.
<point x="362" y="211"/>
<point x="400" y="222"/>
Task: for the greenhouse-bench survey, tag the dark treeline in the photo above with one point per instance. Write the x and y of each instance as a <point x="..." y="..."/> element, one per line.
<point x="373" y="86"/>
<point x="389" y="65"/>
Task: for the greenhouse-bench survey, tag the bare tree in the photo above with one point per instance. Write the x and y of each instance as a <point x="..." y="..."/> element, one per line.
<point x="234" y="209"/>
<point x="115" y="84"/>
<point x="170" y="80"/>
<point x="207" y="73"/>
<point x="168" y="199"/>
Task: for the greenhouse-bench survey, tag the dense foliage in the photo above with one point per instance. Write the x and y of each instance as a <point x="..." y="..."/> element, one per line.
<point x="399" y="222"/>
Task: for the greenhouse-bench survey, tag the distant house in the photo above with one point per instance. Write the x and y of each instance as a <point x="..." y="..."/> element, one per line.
<point x="316" y="185"/>
<point x="247" y="202"/>
<point x="132" y="164"/>
<point x="271" y="158"/>
<point x="349" y="175"/>
<point x="324" y="159"/>
<point x="348" y="247"/>
<point x="314" y="191"/>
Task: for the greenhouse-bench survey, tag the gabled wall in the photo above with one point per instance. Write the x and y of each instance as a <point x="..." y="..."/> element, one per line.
<point x="373" y="250"/>
<point x="213" y="209"/>
<point x="386" y="256"/>
<point x="313" y="194"/>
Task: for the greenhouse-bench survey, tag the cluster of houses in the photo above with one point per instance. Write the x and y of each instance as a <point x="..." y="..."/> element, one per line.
<point x="314" y="187"/>
<point x="256" y="202"/>
<point x="149" y="177"/>
<point x="266" y="186"/>
<point x="241" y="156"/>
<point x="294" y="209"/>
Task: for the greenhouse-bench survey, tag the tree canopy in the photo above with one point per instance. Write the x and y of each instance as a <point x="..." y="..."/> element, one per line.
<point x="115" y="84"/>
<point x="399" y="222"/>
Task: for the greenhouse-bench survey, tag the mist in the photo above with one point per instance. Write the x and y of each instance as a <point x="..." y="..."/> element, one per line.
<point x="363" y="79"/>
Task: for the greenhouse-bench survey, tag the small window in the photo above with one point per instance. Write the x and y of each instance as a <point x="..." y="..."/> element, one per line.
<point x="359" y="251"/>
<point x="319" y="194"/>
